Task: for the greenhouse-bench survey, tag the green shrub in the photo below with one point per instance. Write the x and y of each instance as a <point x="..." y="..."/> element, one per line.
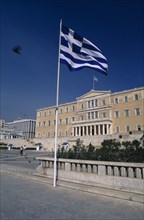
<point x="3" y="146"/>
<point x="111" y="150"/>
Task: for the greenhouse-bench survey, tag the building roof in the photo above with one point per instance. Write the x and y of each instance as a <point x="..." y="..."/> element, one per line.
<point x="93" y="93"/>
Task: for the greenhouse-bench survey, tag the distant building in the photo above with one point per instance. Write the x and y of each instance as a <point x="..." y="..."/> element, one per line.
<point x="23" y="127"/>
<point x="95" y="113"/>
<point x="6" y="133"/>
<point x="2" y="123"/>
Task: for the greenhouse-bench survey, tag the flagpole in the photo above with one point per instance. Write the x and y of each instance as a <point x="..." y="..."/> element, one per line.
<point x="56" y="112"/>
<point x="94" y="79"/>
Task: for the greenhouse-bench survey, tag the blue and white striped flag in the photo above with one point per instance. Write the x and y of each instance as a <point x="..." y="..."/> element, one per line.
<point x="78" y="52"/>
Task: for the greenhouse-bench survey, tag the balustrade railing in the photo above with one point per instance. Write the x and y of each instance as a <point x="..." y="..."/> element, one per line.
<point x="130" y="170"/>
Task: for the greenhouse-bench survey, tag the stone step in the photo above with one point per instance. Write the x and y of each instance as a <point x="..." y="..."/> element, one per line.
<point x="97" y="189"/>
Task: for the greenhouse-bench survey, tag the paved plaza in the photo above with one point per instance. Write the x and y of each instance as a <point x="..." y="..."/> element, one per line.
<point x="24" y="199"/>
<point x="27" y="199"/>
<point x="13" y="158"/>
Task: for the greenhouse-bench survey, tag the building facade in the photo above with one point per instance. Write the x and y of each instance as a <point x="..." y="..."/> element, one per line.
<point x="96" y="113"/>
<point x="26" y="127"/>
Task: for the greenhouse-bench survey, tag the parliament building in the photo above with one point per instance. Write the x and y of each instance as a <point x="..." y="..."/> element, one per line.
<point x="94" y="114"/>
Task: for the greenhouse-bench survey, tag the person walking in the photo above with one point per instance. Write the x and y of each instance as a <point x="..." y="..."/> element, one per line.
<point x="21" y="150"/>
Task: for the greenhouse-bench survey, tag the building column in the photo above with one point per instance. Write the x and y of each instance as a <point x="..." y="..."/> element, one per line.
<point x="83" y="131"/>
<point x="103" y="129"/>
<point x="86" y="130"/>
<point x="79" y="130"/>
<point x="91" y="130"/>
<point x="96" y="129"/>
<point x="72" y="132"/>
<point x="108" y="129"/>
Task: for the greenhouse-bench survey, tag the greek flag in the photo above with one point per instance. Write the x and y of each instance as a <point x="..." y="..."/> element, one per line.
<point x="77" y="52"/>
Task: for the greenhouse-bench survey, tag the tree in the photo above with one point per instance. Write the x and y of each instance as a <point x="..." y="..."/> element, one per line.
<point x="111" y="150"/>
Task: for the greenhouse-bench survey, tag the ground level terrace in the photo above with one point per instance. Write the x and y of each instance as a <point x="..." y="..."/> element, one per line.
<point x="91" y="130"/>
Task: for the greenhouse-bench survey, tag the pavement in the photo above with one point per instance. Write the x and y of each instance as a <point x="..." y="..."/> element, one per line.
<point x="13" y="158"/>
<point x="25" y="199"/>
<point x="26" y="196"/>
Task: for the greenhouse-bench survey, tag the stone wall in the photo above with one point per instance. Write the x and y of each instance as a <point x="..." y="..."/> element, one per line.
<point x="17" y="142"/>
<point x="114" y="175"/>
<point x="49" y="143"/>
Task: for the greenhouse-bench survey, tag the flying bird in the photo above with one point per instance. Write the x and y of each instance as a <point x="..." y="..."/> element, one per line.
<point x="17" y="49"/>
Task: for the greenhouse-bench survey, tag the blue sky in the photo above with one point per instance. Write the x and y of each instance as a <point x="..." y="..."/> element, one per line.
<point x="28" y="81"/>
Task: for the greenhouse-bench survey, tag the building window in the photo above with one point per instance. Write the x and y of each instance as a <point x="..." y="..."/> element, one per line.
<point x="92" y="115"/>
<point x="66" y="109"/>
<point x="73" y="108"/>
<point x="136" y="96"/>
<point x="117" y="129"/>
<point x="44" y="123"/>
<point x="39" y="124"/>
<point x="60" y="121"/>
<point x="96" y="102"/>
<point x="73" y="118"/>
<point x="137" y="112"/>
<point x="49" y="123"/>
<point x="104" y="114"/>
<point x="127" y="112"/>
<point x="54" y="122"/>
<point x="66" y="120"/>
<point x="60" y="110"/>
<point x="126" y="99"/>
<point x="81" y="118"/>
<point x="89" y="115"/>
<point x="82" y="106"/>
<point x="103" y="102"/>
<point x="89" y="104"/>
<point x="44" y="113"/>
<point x="116" y="114"/>
<point x="116" y="100"/>
<point x="139" y="127"/>
<point x="92" y="103"/>
<point x="127" y="128"/>
<point x="96" y="114"/>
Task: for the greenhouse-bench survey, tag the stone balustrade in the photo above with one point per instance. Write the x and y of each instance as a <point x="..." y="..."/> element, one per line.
<point x="111" y="174"/>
